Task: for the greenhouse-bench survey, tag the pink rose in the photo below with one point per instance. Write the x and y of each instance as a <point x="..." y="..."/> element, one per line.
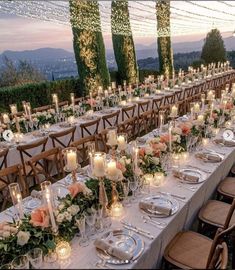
<point x="121" y="167"/>
<point x="91" y="101"/>
<point x="75" y="188"/>
<point x="40" y="217"/>
<point x="165" y="138"/>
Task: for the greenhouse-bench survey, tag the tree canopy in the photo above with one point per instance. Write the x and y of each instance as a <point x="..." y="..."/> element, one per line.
<point x="213" y="49"/>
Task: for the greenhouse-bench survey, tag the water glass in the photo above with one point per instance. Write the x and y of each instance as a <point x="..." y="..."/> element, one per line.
<point x="133" y="186"/>
<point x="20" y="262"/>
<point x="51" y="261"/>
<point x="126" y="189"/>
<point x="99" y="225"/>
<point x="90" y="220"/>
<point x="81" y="223"/>
<point x="35" y="257"/>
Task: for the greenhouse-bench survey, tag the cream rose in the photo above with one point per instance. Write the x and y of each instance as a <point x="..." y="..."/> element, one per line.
<point x="60" y="218"/>
<point x="73" y="209"/>
<point x="22" y="238"/>
<point x="148" y="150"/>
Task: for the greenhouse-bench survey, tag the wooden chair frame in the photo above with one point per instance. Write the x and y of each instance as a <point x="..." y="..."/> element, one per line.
<point x="3" y="156"/>
<point x="128" y="112"/>
<point x="107" y="119"/>
<point x="84" y="127"/>
<point x="55" y="137"/>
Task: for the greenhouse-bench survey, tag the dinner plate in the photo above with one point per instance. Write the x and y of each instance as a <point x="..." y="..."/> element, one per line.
<point x="206" y="160"/>
<point x="31" y="203"/>
<point x="161" y="200"/>
<point x="193" y="172"/>
<point x="126" y="240"/>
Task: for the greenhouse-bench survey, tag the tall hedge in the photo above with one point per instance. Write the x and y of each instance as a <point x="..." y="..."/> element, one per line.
<point x="123" y="43"/>
<point x="88" y="45"/>
<point x="164" y="37"/>
<point x="38" y="94"/>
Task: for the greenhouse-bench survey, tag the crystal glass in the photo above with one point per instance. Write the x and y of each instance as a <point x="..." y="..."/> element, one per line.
<point x="126" y="189"/>
<point x="31" y="125"/>
<point x="81" y="223"/>
<point x="90" y="220"/>
<point x="133" y="186"/>
<point x="20" y="262"/>
<point x="51" y="261"/>
<point x="99" y="225"/>
<point x="98" y="164"/>
<point x="35" y="257"/>
<point x="70" y="159"/>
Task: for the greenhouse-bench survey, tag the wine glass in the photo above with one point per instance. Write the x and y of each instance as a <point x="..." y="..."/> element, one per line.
<point x="133" y="186"/>
<point x="126" y="189"/>
<point x="51" y="261"/>
<point x="90" y="220"/>
<point x="81" y="223"/>
<point x="99" y="220"/>
<point x="26" y="125"/>
<point x="35" y="257"/>
<point x="36" y="123"/>
<point x="20" y="262"/>
<point x="30" y="123"/>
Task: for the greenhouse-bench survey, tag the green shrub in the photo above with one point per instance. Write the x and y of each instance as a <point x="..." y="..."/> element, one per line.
<point x="38" y="94"/>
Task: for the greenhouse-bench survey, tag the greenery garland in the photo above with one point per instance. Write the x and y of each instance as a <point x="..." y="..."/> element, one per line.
<point x="164" y="38"/>
<point x="123" y="43"/>
<point x="88" y="45"/>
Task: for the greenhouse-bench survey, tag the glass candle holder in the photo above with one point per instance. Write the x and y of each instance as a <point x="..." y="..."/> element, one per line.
<point x="200" y="119"/>
<point x="161" y="119"/>
<point x="70" y="159"/>
<point x="112" y="137"/>
<point x="197" y="107"/>
<point x="71" y="120"/>
<point x="174" y="111"/>
<point x="117" y="210"/>
<point x="158" y="179"/>
<point x="98" y="164"/>
<point x="122" y="141"/>
<point x="16" y="198"/>
<point x="13" y="108"/>
<point x="63" y="250"/>
<point x="72" y="98"/>
<point x="29" y="110"/>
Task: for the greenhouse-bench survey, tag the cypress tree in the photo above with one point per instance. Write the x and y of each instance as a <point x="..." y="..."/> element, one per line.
<point x="123" y="43"/>
<point x="165" y="54"/>
<point x="88" y="45"/>
<point x="213" y="49"/>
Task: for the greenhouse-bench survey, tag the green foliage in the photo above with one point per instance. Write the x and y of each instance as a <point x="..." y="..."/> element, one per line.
<point x="88" y="45"/>
<point x="123" y="43"/>
<point x="38" y="94"/>
<point x="213" y="49"/>
<point x="198" y="63"/>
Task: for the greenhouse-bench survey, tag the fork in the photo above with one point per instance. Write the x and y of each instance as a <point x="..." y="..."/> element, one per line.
<point x="191" y="188"/>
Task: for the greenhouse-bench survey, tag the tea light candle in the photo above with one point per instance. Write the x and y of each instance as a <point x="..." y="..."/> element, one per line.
<point x="185" y="156"/>
<point x="200" y="119"/>
<point x="174" y="111"/>
<point x="228" y="124"/>
<point x="205" y="141"/>
<point x="71" y="160"/>
<point x="137" y="99"/>
<point x="47" y="126"/>
<point x="158" y="179"/>
<point x="98" y="165"/>
<point x="89" y="112"/>
<point x="146" y="95"/>
<point x="63" y="250"/>
<point x="71" y="119"/>
<point x="158" y="91"/>
<point x="123" y="103"/>
<point x="149" y="179"/>
<point x="5" y="118"/>
<point x="122" y="144"/>
<point x="117" y="209"/>
<point x="18" y="137"/>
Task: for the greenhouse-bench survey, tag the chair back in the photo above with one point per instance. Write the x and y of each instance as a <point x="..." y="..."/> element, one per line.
<point x="63" y="138"/>
<point x="220" y="257"/>
<point x="169" y="99"/>
<point x="40" y="166"/>
<point x="82" y="146"/>
<point x="90" y="128"/>
<point x="229" y="215"/>
<point x="129" y="127"/>
<point x="110" y="120"/>
<point x="221" y="235"/>
<point x="3" y="157"/>
<point x="101" y="141"/>
<point x="9" y="175"/>
<point x="157" y="103"/>
<point x="146" y="122"/>
<point x="143" y="106"/>
<point x="128" y="112"/>
<point x="29" y="150"/>
<point x="42" y="109"/>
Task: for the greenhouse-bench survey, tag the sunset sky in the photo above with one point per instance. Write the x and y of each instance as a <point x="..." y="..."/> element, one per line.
<point x="20" y="33"/>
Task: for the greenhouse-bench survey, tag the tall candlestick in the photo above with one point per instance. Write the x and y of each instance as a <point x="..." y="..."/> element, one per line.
<point x="161" y="119"/>
<point x="6" y="118"/>
<point x="170" y="136"/>
<point x="28" y="108"/>
<point x="56" y="102"/>
<point x="25" y="109"/>
<point x="13" y="108"/>
<point x="16" y="197"/>
<point x="72" y="101"/>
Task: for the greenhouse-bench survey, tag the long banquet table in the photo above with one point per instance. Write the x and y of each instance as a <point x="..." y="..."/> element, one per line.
<point x="85" y="257"/>
<point x="203" y="85"/>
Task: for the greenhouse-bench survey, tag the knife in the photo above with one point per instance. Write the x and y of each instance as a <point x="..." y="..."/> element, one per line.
<point x="173" y="195"/>
<point x="135" y="230"/>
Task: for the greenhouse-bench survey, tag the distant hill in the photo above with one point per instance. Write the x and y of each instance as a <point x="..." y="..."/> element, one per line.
<point x="43" y="54"/>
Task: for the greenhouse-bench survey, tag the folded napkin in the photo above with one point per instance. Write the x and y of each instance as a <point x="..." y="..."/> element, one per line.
<point x="36" y="194"/>
<point x="209" y="157"/>
<point x="113" y="251"/>
<point x="166" y="211"/>
<point x="186" y="177"/>
<point x="226" y="143"/>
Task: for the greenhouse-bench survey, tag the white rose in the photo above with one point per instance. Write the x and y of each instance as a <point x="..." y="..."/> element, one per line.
<point x="122" y="161"/>
<point x="6" y="234"/>
<point x="60" y="218"/>
<point x="86" y="191"/>
<point x="73" y="209"/>
<point x="148" y="150"/>
<point x="56" y="212"/>
<point x="176" y="138"/>
<point x="155" y="160"/>
<point x="177" y="130"/>
<point x="128" y="161"/>
<point x="22" y="238"/>
<point x="67" y="216"/>
<point x="61" y="206"/>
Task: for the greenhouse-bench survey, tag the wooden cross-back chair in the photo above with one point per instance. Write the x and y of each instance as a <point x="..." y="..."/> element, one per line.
<point x="157" y="103"/>
<point x="101" y="141"/>
<point x="129" y="127"/>
<point x="40" y="165"/>
<point x="9" y="175"/>
<point x="142" y="106"/>
<point x="63" y="138"/>
<point x="42" y="109"/>
<point x="3" y="157"/>
<point x="28" y="150"/>
<point x="191" y="250"/>
<point x="82" y="146"/>
<point x="146" y="122"/>
<point x="128" y="112"/>
<point x="90" y="128"/>
<point x="169" y="99"/>
<point x="110" y="120"/>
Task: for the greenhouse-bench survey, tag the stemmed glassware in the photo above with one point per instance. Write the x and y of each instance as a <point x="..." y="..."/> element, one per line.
<point x="126" y="189"/>
<point x="20" y="262"/>
<point x="81" y="223"/>
<point x="36" y="123"/>
<point x="35" y="257"/>
<point x="90" y="220"/>
<point x="133" y="184"/>
<point x="31" y="124"/>
<point x="26" y="125"/>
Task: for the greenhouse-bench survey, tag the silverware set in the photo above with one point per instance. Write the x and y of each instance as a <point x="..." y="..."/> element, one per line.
<point x="178" y="197"/>
<point x="138" y="230"/>
<point x="190" y="188"/>
<point x="150" y="220"/>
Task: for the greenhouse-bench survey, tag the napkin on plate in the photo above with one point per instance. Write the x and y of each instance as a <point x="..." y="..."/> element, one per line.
<point x="166" y="211"/>
<point x="36" y="194"/>
<point x="226" y="143"/>
<point x="186" y="177"/>
<point x="209" y="157"/>
<point x="113" y="251"/>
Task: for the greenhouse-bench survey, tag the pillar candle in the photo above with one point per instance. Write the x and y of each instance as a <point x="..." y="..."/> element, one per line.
<point x="121" y="142"/>
<point x="98" y="166"/>
<point x="71" y="160"/>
